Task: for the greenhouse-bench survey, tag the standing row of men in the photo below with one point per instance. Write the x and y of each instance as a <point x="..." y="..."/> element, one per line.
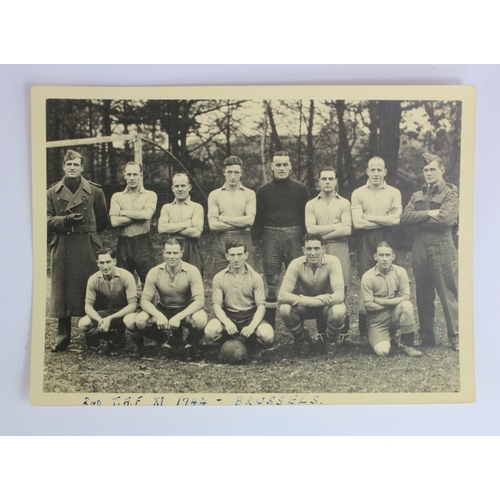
<point x="280" y="212"/>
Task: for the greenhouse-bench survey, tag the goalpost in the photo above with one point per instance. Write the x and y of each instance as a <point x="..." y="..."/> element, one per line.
<point x="135" y="138"/>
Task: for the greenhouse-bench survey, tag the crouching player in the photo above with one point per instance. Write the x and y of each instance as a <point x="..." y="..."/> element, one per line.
<point x="114" y="292"/>
<point x="321" y="282"/>
<point x="385" y="291"/>
<point x="239" y="301"/>
<point x="181" y="300"/>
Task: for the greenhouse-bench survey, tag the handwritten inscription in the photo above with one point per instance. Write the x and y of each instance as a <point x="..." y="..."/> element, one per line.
<point x="275" y="400"/>
<point x="204" y="400"/>
<point x="88" y="402"/>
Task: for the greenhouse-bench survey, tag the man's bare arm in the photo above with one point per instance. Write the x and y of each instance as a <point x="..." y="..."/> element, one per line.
<point x="145" y="214"/>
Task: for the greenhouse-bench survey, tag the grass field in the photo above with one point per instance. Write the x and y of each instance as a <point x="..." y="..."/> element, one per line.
<point x="352" y="370"/>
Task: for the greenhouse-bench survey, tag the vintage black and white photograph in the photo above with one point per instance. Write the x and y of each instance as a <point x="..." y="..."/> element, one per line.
<point x="252" y="245"/>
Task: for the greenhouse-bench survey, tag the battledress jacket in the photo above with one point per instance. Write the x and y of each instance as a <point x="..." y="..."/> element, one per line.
<point x="72" y="247"/>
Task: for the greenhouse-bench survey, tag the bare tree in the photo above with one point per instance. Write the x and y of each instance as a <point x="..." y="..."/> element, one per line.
<point x="310" y="182"/>
<point x="389" y="115"/>
<point x="275" y="138"/>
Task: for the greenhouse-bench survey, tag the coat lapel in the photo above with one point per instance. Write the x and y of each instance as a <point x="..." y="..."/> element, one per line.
<point x="81" y="195"/>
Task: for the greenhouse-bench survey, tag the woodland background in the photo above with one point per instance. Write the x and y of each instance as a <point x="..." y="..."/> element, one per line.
<point x="196" y="136"/>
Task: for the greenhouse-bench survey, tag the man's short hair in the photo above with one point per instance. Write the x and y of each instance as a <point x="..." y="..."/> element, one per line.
<point x="313" y="237"/>
<point x="137" y="164"/>
<point x="233" y="160"/>
<point x="385" y="244"/>
<point x="282" y="153"/>
<point x="235" y="244"/>
<point x="173" y="240"/>
<point x="104" y="251"/>
<point x="376" y="158"/>
<point x="71" y="155"/>
<point x="328" y="169"/>
<point x="178" y="174"/>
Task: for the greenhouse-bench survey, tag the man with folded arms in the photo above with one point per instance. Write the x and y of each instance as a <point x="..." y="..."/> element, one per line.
<point x="184" y="219"/>
<point x="131" y="211"/>
<point x="231" y="213"/>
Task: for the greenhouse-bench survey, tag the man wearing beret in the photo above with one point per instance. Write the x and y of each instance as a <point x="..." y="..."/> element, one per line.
<point x="433" y="210"/>
<point x="76" y="212"/>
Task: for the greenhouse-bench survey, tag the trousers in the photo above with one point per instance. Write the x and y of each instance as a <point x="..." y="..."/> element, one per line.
<point x="435" y="266"/>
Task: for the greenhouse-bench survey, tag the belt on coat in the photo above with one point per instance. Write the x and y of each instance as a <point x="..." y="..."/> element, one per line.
<point x="84" y="228"/>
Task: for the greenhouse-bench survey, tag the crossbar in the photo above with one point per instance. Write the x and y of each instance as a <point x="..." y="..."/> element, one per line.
<point x="91" y="140"/>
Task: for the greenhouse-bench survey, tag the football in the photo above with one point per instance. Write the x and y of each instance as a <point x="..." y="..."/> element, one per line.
<point x="233" y="352"/>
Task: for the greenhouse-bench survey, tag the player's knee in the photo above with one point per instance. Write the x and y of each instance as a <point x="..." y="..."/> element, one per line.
<point x="129" y="322"/>
<point x="265" y="334"/>
<point x="213" y="330"/>
<point x="198" y="320"/>
<point x="85" y="324"/>
<point x="407" y="308"/>
<point x="382" y="348"/>
<point x="285" y="311"/>
<point x="336" y="314"/>
<point x="141" y="320"/>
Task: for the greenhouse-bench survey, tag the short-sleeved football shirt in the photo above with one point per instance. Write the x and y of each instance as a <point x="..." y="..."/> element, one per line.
<point x="117" y="293"/>
<point x="185" y="287"/>
<point x="128" y="200"/>
<point x="386" y="286"/>
<point x="235" y="294"/>
<point x="327" y="278"/>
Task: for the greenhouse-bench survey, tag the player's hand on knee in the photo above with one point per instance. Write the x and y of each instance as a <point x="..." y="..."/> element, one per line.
<point x="104" y="325"/>
<point x="247" y="331"/>
<point x="175" y="322"/>
<point x="230" y="327"/>
<point x="162" y="322"/>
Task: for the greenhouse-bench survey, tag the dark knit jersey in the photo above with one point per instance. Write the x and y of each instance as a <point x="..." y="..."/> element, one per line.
<point x="281" y="203"/>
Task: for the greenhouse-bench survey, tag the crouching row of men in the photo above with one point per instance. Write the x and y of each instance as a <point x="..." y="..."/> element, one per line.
<point x="238" y="298"/>
<point x="313" y="288"/>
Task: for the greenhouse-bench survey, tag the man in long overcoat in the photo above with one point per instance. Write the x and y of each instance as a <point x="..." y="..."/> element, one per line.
<point x="76" y="212"/>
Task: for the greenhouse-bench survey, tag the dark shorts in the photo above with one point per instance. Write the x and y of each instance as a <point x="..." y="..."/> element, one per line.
<point x="240" y="319"/>
<point x="117" y="323"/>
<point x="170" y="312"/>
<point x="192" y="254"/>
<point x="136" y="254"/>
<point x="221" y="240"/>
<point x="117" y="327"/>
<point x="281" y="246"/>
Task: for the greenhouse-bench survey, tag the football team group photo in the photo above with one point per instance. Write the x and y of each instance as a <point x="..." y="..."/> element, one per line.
<point x="252" y="246"/>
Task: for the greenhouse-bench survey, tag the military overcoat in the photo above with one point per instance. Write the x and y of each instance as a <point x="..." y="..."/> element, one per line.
<point x="72" y="247"/>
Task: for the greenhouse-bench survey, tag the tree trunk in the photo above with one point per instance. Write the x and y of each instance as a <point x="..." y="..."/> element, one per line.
<point x="389" y="113"/>
<point x="106" y="130"/>
<point x="373" y="139"/>
<point x="311" y="184"/>
<point x="90" y="159"/>
<point x="263" y="149"/>
<point x="345" y="169"/>
<point x="275" y="138"/>
<point x="299" y="149"/>
<point x="228" y="130"/>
